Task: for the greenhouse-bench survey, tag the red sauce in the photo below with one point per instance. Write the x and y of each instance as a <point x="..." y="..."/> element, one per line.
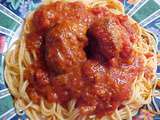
<point x="68" y="41"/>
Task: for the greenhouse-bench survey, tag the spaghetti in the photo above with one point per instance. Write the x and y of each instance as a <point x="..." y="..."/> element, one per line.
<point x="18" y="58"/>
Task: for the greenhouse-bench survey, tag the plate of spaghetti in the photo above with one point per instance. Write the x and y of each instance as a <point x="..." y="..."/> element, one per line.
<point x="82" y="60"/>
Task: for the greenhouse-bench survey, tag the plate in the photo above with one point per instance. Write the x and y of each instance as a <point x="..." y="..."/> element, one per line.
<point x="12" y="14"/>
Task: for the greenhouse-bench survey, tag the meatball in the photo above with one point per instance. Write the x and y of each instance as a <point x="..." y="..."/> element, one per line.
<point x="112" y="38"/>
<point x="67" y="85"/>
<point x="51" y="14"/>
<point x="93" y="71"/>
<point x="98" y="93"/>
<point x="64" y="46"/>
<point x="97" y="77"/>
<point x="132" y="28"/>
<point x="45" y="16"/>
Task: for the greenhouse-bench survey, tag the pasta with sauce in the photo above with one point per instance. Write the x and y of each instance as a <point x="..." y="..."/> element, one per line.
<point x="80" y="61"/>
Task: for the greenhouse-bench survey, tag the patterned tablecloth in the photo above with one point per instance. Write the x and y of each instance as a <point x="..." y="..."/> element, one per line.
<point x="12" y="14"/>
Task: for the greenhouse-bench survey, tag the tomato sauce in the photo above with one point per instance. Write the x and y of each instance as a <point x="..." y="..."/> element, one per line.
<point x="99" y="87"/>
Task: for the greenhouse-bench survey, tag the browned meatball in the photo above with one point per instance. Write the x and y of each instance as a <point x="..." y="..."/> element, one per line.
<point x="111" y="37"/>
<point x="64" y="46"/>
